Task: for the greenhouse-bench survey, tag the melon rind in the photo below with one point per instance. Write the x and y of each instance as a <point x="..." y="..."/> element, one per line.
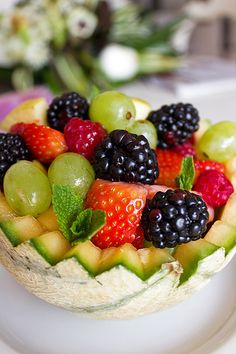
<point x="114" y="294"/>
<point x="70" y="286"/>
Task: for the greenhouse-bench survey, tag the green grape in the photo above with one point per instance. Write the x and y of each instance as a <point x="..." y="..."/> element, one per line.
<point x="204" y="125"/>
<point x="27" y="189"/>
<point x="218" y="142"/>
<point x="74" y="170"/>
<point x="113" y="110"/>
<point x="147" y="129"/>
<point x="38" y="164"/>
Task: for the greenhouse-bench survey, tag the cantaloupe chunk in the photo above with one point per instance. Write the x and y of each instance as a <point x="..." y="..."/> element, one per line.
<point x="52" y="246"/>
<point x="21" y="228"/>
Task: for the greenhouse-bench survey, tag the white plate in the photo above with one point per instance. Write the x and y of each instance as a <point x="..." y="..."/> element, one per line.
<point x="204" y="324"/>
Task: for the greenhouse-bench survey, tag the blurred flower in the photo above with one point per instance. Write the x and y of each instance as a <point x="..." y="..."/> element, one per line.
<point x="81" y="23"/>
<point x="37" y="54"/>
<point x="68" y="6"/>
<point x="118" y="4"/>
<point x="119" y="62"/>
<point x="15" y="50"/>
<point x="75" y="44"/>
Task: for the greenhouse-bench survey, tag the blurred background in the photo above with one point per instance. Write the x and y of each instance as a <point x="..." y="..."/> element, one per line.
<point x="214" y="32"/>
<point x="186" y="47"/>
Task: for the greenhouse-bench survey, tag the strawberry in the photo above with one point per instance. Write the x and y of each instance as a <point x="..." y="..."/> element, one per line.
<point x="44" y="143"/>
<point x="123" y="204"/>
<point x="170" y="165"/>
<point x="139" y="238"/>
<point x="205" y="165"/>
<point x="154" y="188"/>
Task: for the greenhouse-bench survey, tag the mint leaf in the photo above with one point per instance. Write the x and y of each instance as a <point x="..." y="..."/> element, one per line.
<point x="97" y="222"/>
<point x="86" y="225"/>
<point x="81" y="225"/>
<point x="66" y="205"/>
<point x="187" y="174"/>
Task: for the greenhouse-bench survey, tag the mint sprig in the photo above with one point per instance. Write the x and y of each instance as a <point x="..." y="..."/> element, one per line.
<point x="76" y="223"/>
<point x="187" y="174"/>
<point x="66" y="205"/>
<point x="87" y="224"/>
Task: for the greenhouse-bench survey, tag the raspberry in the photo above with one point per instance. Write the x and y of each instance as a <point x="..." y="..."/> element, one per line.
<point x="206" y="165"/>
<point x="214" y="187"/>
<point x="82" y="136"/>
<point x="185" y="150"/>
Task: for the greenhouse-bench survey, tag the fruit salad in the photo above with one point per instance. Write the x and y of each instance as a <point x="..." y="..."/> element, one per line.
<point x="112" y="209"/>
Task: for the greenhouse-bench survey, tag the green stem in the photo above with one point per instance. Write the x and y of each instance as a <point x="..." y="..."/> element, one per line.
<point x="22" y="79"/>
<point x="151" y="62"/>
<point x="72" y="74"/>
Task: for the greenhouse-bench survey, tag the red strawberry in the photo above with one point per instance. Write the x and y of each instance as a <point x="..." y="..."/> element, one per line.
<point x="154" y="188"/>
<point x="206" y="165"/>
<point x="170" y="165"/>
<point x="123" y="204"/>
<point x="43" y="142"/>
<point x="82" y="136"/>
<point x="139" y="238"/>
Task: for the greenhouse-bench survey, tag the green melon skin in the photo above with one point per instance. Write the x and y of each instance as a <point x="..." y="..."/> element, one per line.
<point x="193" y="254"/>
<point x="121" y="288"/>
<point x="223" y="235"/>
<point x="86" y="255"/>
<point x="20" y="229"/>
<point x="52" y="246"/>
<point x="127" y="257"/>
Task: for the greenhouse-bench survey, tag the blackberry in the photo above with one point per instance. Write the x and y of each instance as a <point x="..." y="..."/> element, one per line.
<point x="127" y="157"/>
<point x="65" y="107"/>
<point x="174" y="123"/>
<point x="174" y="217"/>
<point x="12" y="149"/>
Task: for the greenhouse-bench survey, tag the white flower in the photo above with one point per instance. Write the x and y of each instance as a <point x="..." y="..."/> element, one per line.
<point x="28" y="19"/>
<point x="81" y="23"/>
<point x="37" y="54"/>
<point x="119" y="62"/>
<point x="114" y="4"/>
<point x="68" y="6"/>
<point x="14" y="49"/>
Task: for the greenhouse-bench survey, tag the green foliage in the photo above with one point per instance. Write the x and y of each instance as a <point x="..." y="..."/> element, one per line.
<point x="76" y="224"/>
<point x="187" y="174"/>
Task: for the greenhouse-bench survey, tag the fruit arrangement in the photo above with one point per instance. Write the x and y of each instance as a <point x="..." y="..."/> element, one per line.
<point x="114" y="210"/>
